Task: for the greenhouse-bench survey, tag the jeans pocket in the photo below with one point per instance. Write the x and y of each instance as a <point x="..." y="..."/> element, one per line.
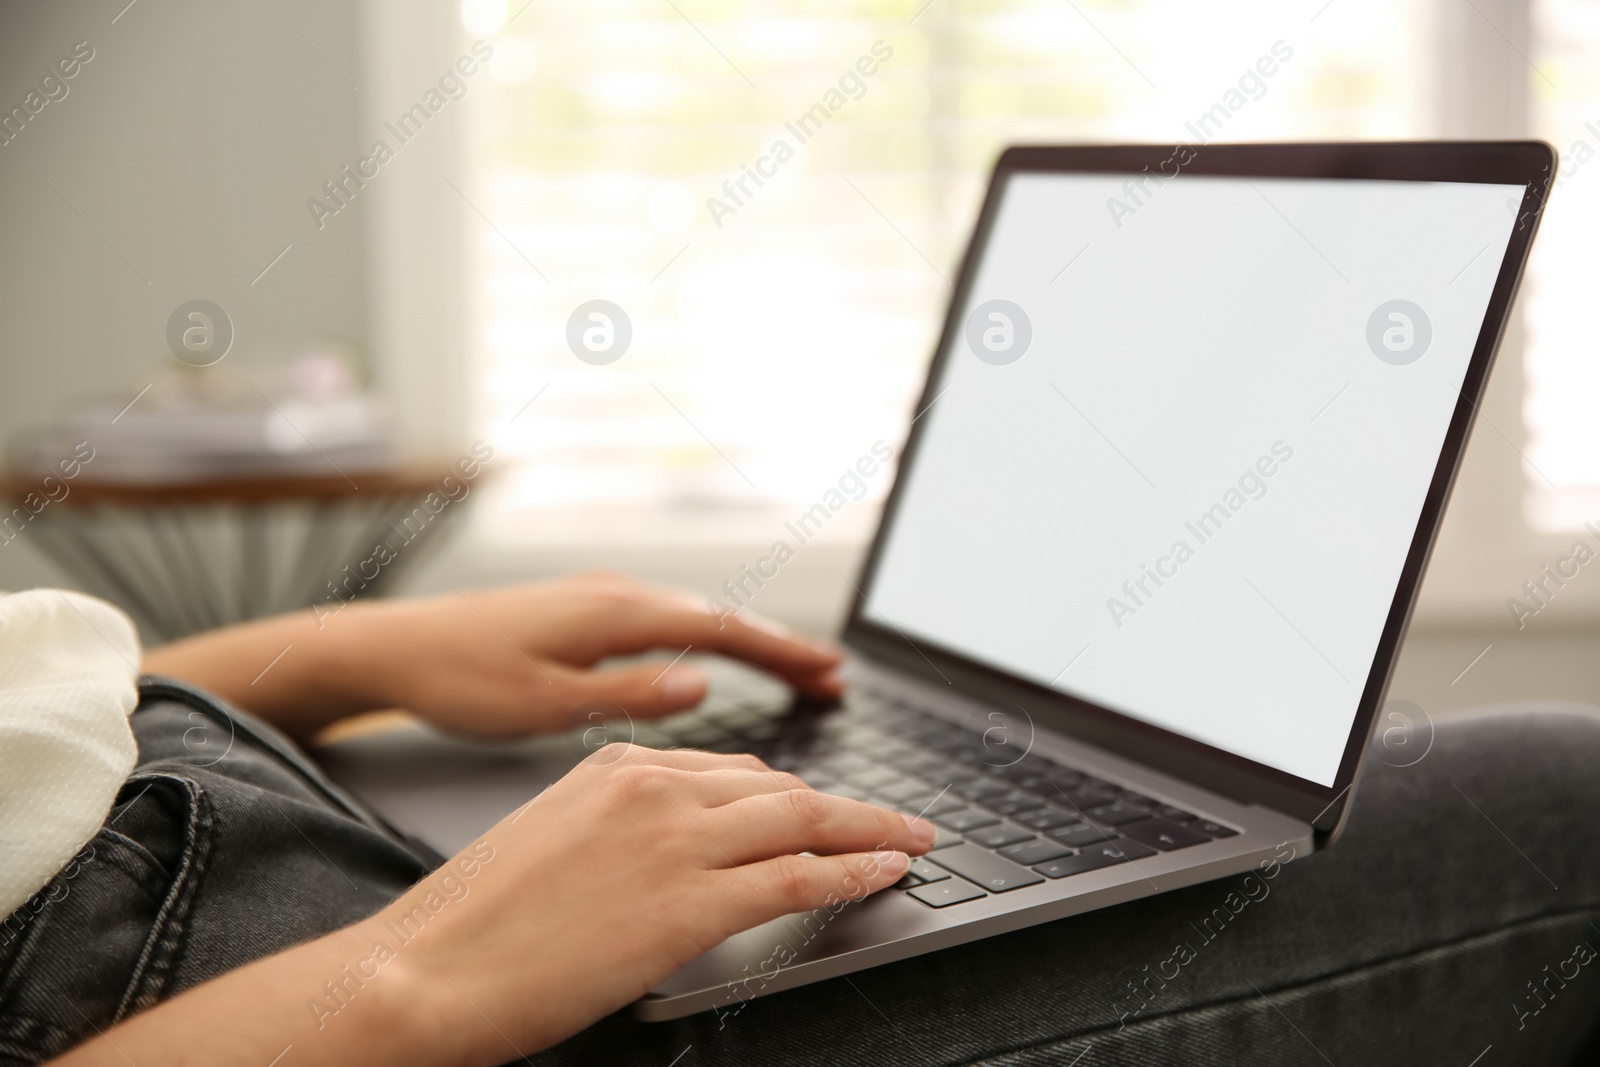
<point x="100" y="941"/>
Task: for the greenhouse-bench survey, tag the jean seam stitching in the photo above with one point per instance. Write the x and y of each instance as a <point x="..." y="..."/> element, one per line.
<point x="169" y="931"/>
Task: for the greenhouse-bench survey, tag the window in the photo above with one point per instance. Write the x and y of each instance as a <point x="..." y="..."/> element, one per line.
<point x="779" y="327"/>
<point x="1563" y="377"/>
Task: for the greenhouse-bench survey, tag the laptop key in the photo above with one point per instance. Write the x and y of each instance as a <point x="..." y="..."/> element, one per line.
<point x="957" y="744"/>
<point x="1087" y="860"/>
<point x="982" y="786"/>
<point x="1082" y="799"/>
<point x="921" y="872"/>
<point x="966" y="819"/>
<point x="926" y="765"/>
<point x="844" y="763"/>
<point x="985" y="868"/>
<point x="764" y="731"/>
<point x="858" y="740"/>
<point x="1097" y="856"/>
<point x="999" y="836"/>
<point x="1048" y="817"/>
<point x="963" y="744"/>
<point x="895" y="753"/>
<point x="1011" y="802"/>
<point x="876" y="778"/>
<point x="948" y="773"/>
<point x="1172" y="814"/>
<point x="943" y="894"/>
<point x="1215" y="829"/>
<point x="1116" y="814"/>
<point x="931" y="805"/>
<point x="952" y="775"/>
<point x="1032" y="853"/>
<point x="902" y="791"/>
<point x="1021" y="771"/>
<point x="1164" y="835"/>
<point x="1082" y="836"/>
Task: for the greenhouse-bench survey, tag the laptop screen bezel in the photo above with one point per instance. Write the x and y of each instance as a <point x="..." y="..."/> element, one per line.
<point x="1528" y="163"/>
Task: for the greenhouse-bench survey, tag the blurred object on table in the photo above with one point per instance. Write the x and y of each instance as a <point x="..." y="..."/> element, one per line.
<point x="214" y="423"/>
<point x="209" y="500"/>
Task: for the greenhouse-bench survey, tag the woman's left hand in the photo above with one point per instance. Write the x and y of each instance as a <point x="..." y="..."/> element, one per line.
<point x="489" y="663"/>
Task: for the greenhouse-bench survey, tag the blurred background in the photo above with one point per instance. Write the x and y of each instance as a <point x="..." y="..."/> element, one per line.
<point x="373" y="318"/>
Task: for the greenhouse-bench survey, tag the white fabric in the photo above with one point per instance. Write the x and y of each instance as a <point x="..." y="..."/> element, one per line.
<point x="69" y="668"/>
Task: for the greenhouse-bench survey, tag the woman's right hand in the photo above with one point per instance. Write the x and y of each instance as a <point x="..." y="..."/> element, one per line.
<point x="629" y="867"/>
<point x="571" y="907"/>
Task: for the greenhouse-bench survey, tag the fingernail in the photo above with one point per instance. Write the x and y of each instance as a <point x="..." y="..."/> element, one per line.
<point x="891" y="864"/>
<point x="682" y="685"/>
<point x="922" y="831"/>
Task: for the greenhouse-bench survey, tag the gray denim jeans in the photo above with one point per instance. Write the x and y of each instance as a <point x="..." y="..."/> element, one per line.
<point x="1456" y="919"/>
<point x="225" y="845"/>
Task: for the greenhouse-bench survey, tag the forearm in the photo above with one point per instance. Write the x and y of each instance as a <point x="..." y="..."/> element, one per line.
<point x="491" y="664"/>
<point x="296" y="671"/>
<point x="251" y="1016"/>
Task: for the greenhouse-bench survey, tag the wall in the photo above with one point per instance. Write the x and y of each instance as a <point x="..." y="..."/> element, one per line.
<point x="187" y="148"/>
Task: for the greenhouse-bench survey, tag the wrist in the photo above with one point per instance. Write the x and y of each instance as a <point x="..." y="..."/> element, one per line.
<point x="387" y="1001"/>
<point x="352" y="667"/>
<point x="299" y="671"/>
<point x="442" y="999"/>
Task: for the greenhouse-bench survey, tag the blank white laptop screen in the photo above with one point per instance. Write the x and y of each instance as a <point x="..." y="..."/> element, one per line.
<point x="1180" y="449"/>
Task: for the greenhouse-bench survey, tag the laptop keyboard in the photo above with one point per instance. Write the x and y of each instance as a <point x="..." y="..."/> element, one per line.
<point x="1005" y="821"/>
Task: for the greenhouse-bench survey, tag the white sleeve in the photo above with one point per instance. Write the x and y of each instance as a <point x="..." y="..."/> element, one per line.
<point x="69" y="667"/>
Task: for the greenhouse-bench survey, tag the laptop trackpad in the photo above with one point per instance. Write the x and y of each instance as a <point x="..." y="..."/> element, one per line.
<point x="445" y="790"/>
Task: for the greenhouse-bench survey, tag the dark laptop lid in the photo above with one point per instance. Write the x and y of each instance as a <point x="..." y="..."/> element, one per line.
<point x="1187" y="439"/>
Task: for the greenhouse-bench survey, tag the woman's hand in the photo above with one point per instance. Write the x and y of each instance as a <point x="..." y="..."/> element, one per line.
<point x="570" y="908"/>
<point x="506" y="662"/>
<point x="499" y="663"/>
<point x="632" y="865"/>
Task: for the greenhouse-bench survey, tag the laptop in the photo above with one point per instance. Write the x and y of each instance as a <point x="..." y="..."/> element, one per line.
<point x="1153" y="543"/>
